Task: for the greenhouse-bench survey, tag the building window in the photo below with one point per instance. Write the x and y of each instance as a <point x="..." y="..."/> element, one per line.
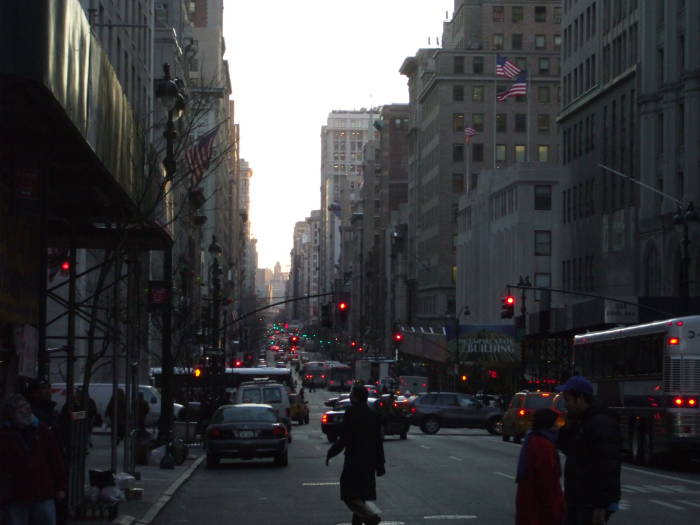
<point x="543" y="242"/>
<point x="501" y="120"/>
<point x="557" y="41"/>
<point x="478" y="121"/>
<point x="543" y="197"/>
<point x="544" y="66"/>
<point x="557" y="15"/>
<point x="543" y="123"/>
<point x="458" y="93"/>
<point x="477" y="93"/>
<point x="498" y="41"/>
<point x="540" y="13"/>
<point x="517" y="14"/>
<point x="520" y="153"/>
<point x="457" y="152"/>
<point x="477" y="152"/>
<point x="500" y="152"/>
<point x="542" y="280"/>
<point x="543" y="94"/>
<point x="543" y="153"/>
<point x="458" y="122"/>
<point x="540" y="41"/>
<point x="457" y="183"/>
<point x="499" y="13"/>
<point x="478" y="65"/>
<point x="520" y="123"/>
<point x="458" y="65"/>
<point x="516" y="41"/>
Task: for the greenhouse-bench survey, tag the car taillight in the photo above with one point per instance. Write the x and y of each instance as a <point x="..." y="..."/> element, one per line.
<point x="215" y="433"/>
<point x="323" y="377"/>
<point x="324" y="418"/>
<point x="524" y="412"/>
<point x="332" y="382"/>
<point x="413" y="410"/>
<point x="279" y="432"/>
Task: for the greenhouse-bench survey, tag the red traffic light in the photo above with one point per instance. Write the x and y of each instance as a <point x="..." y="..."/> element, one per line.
<point x="398" y="337"/>
<point x="510" y="300"/>
<point x="353" y="343"/>
<point x="65" y="268"/>
<point x="493" y="374"/>
<point x="237" y="363"/>
<point x="342" y="306"/>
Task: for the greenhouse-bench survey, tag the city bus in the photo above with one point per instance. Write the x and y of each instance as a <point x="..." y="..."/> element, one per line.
<point x="650" y="375"/>
<point x="314" y="373"/>
<point x="339" y="377"/>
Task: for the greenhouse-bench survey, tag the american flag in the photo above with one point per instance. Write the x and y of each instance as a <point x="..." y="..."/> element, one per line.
<point x="506" y="68"/>
<point x="518" y="88"/>
<point x="469" y="133"/>
<point x="199" y="155"/>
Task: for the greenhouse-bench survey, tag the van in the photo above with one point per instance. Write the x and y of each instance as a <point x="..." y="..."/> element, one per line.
<point x="101" y="393"/>
<point x="269" y="393"/>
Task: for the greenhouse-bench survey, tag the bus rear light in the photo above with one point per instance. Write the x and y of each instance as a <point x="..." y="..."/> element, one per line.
<point x="673" y="341"/>
<point x="692" y="402"/>
<point x="678" y="401"/>
<point x="679" y="323"/>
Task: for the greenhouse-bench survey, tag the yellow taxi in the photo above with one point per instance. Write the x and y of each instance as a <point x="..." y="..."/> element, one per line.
<point x="517" y="419"/>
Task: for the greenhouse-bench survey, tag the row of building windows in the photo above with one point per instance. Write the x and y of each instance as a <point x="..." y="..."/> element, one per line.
<point x="520" y="122"/>
<point x="578" y="202"/>
<point x="504" y="202"/>
<point x="519" y="153"/>
<point x="544" y="94"/>
<point x="517" y="14"/>
<point x="577" y="274"/>
<point x="579" y="138"/>
<point x="517" y="43"/>
<point x="622" y="53"/>
<point x="616" y="11"/>
<point x="581" y="30"/>
<point x="459" y="62"/>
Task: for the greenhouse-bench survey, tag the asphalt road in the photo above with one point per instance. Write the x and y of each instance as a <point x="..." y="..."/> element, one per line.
<point x="455" y="476"/>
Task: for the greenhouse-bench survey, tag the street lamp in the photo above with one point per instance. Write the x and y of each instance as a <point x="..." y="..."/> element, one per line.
<point x="216" y="271"/>
<point x="171" y="93"/>
<point x="683" y="218"/>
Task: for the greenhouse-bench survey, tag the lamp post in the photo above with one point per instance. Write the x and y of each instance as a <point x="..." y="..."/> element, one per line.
<point x="171" y="94"/>
<point x="682" y="218"/>
<point x="215" y="250"/>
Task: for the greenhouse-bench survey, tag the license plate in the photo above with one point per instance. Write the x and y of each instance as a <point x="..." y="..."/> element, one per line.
<point x="246" y="434"/>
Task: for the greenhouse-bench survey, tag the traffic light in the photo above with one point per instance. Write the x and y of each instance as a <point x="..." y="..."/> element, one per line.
<point x="353" y="344"/>
<point x="464" y="378"/>
<point x="397" y="337"/>
<point x="294" y="340"/>
<point x="493" y="374"/>
<point x="198" y="372"/>
<point x="237" y="363"/>
<point x="507" y="307"/>
<point x="343" y="308"/>
<point x="65" y="268"/>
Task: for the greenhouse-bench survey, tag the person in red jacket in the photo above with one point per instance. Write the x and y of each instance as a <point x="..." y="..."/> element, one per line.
<point x="33" y="473"/>
<point x="539" y="499"/>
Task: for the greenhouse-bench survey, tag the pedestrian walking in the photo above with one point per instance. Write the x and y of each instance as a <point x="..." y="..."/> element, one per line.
<point x="39" y="397"/>
<point x="361" y="438"/>
<point x="591" y="441"/>
<point x="120" y="418"/>
<point x="33" y="476"/>
<point x="539" y="499"/>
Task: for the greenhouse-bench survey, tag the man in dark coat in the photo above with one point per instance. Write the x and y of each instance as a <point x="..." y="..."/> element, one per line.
<point x="591" y="441"/>
<point x="33" y="476"/>
<point x="42" y="406"/>
<point x="361" y="438"/>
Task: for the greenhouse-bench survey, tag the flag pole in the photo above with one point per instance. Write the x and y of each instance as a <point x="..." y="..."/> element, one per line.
<point x="529" y="119"/>
<point x="495" y="96"/>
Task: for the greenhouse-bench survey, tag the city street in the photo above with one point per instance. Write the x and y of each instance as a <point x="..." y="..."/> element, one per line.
<point x="455" y="475"/>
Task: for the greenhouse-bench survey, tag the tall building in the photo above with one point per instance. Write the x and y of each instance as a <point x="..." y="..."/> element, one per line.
<point x="456" y="87"/>
<point x="342" y="140"/>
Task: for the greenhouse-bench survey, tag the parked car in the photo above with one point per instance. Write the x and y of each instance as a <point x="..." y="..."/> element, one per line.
<point x="517" y="419"/>
<point x="298" y="409"/>
<point x="246" y="431"/>
<point x="331" y="402"/>
<point x="394" y="420"/>
<point x="269" y="393"/>
<point x="436" y="410"/>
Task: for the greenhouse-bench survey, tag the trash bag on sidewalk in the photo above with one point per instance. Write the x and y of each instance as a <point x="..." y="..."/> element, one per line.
<point x="157" y="454"/>
<point x="112" y="495"/>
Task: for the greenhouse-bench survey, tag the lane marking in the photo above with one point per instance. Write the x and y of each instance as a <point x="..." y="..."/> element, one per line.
<point x="320" y="483"/>
<point x="659" y="488"/>
<point x="451" y="517"/>
<point x="509" y="476"/>
<point x="664" y="504"/>
<point x="686" y="502"/>
<point x="425" y="447"/>
<point x="662" y="475"/>
<point x="455" y="458"/>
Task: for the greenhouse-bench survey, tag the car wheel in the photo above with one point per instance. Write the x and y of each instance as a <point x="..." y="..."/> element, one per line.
<point x="430" y="425"/>
<point x="282" y="459"/>
<point x="330" y="438"/>
<point x="306" y="419"/>
<point x="517" y="439"/>
<point x="212" y="461"/>
<point x="495" y="426"/>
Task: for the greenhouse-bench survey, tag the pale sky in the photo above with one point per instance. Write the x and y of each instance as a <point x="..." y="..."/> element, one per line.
<point x="292" y="63"/>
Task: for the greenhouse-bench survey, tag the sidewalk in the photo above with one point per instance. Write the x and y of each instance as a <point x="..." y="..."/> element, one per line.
<point x="159" y="485"/>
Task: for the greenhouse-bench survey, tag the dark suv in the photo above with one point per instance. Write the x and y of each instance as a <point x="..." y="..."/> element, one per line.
<point x="453" y="410"/>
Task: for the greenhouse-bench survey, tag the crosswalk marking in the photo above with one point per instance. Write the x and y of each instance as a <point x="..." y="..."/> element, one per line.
<point x="689" y="503"/>
<point x="509" y="476"/>
<point x="665" y="504"/>
<point x="455" y="458"/>
<point x="425" y="447"/>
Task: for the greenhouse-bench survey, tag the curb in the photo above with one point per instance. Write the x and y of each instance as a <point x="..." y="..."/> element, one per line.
<point x="163" y="500"/>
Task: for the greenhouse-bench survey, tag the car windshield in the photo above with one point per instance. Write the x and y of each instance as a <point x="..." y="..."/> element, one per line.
<point x="251" y="395"/>
<point x="536" y="402"/>
<point x="272" y="395"/>
<point x="240" y="414"/>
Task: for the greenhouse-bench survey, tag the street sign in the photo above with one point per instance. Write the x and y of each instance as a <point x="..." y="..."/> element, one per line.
<point x="621" y="313"/>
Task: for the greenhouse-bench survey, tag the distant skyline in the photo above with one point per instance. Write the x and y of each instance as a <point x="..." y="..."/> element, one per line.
<point x="291" y="64"/>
